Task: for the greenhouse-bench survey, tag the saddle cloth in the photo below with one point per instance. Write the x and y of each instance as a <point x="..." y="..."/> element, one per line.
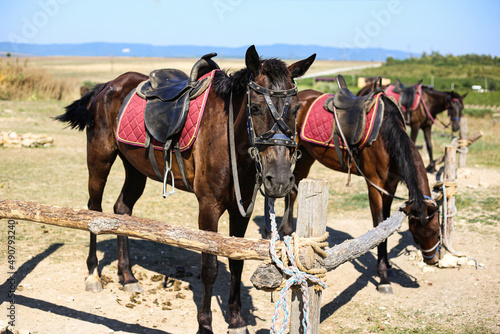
<point x="318" y="124"/>
<point x="131" y="127"/>
<point x="389" y="91"/>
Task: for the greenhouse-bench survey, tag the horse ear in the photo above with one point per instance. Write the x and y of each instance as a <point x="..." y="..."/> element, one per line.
<point x="463" y="96"/>
<point x="300" y="68"/>
<point x="399" y="83"/>
<point x="252" y="61"/>
<point x="420" y="81"/>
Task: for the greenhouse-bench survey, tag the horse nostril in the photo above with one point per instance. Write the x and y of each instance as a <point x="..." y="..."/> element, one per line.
<point x="269" y="179"/>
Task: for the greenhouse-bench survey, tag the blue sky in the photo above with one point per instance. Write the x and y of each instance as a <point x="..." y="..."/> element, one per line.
<point x="446" y="26"/>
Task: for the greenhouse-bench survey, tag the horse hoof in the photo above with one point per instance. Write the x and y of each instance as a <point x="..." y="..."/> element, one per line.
<point x="133" y="287"/>
<point x="241" y="330"/>
<point x="93" y="286"/>
<point x="385" y="289"/>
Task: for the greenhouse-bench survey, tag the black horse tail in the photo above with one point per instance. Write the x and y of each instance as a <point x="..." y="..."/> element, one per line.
<point x="79" y="114"/>
<point x="399" y="147"/>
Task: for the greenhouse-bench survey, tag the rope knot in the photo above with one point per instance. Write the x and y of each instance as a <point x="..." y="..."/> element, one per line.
<point x="290" y="264"/>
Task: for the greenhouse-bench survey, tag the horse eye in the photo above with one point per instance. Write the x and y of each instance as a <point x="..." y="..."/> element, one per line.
<point x="255" y="109"/>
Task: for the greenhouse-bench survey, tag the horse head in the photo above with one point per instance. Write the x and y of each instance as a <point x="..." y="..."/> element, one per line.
<point x="425" y="228"/>
<point x="455" y="105"/>
<point x="272" y="104"/>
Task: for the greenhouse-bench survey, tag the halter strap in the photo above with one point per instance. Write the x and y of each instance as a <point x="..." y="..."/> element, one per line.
<point x="280" y="133"/>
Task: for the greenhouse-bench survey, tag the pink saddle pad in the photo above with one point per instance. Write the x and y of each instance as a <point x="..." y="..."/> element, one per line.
<point x="318" y="124"/>
<point x="389" y="91"/>
<point x="131" y="129"/>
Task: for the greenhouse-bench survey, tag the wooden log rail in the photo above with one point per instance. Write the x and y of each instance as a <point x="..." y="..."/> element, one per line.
<point x="268" y="277"/>
<point x="148" y="229"/>
<point x="203" y="241"/>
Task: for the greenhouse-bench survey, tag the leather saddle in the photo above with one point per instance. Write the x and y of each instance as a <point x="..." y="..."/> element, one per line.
<point x="408" y="94"/>
<point x="167" y="94"/>
<point x="351" y="112"/>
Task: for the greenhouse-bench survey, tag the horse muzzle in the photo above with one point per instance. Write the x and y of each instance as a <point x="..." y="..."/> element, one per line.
<point x="277" y="176"/>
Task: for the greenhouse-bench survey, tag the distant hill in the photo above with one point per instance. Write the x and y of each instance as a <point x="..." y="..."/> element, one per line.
<point x="283" y="51"/>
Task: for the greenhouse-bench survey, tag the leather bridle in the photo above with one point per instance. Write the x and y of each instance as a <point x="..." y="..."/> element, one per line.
<point x="280" y="134"/>
<point x="450" y="109"/>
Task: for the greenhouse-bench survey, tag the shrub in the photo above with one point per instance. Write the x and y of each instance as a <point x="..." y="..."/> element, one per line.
<point x="22" y="82"/>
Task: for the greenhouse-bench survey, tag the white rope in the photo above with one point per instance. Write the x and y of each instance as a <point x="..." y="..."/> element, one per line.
<point x="296" y="277"/>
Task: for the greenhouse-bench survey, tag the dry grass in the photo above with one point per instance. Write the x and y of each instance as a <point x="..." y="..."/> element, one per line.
<point x="64" y="75"/>
<point x="21" y="81"/>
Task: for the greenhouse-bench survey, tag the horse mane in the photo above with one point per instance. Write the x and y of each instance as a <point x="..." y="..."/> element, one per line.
<point x="274" y="69"/>
<point x="399" y="147"/>
<point x="236" y="82"/>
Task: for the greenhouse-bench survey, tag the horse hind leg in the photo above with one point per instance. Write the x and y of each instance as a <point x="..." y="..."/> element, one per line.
<point x="132" y="190"/>
<point x="99" y="167"/>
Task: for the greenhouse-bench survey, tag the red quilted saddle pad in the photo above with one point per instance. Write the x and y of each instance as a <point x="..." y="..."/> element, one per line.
<point x="131" y="129"/>
<point x="318" y="124"/>
<point x="389" y="91"/>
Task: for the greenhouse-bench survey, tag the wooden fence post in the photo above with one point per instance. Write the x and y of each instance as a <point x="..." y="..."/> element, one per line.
<point x="462" y="159"/>
<point x="449" y="177"/>
<point x="311" y="222"/>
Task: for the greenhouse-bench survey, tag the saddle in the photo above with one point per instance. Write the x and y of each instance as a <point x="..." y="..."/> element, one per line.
<point x="351" y="112"/>
<point x="167" y="94"/>
<point x="408" y="94"/>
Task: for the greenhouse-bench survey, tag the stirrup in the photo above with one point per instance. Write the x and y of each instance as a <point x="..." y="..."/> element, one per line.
<point x="168" y="171"/>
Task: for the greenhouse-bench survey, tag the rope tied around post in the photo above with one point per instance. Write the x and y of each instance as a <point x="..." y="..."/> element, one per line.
<point x="288" y="262"/>
<point x="444" y="187"/>
<point x="459" y="143"/>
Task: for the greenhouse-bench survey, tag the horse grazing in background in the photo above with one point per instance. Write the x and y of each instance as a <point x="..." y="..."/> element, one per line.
<point x="391" y="158"/>
<point x="224" y="167"/>
<point x="422" y="104"/>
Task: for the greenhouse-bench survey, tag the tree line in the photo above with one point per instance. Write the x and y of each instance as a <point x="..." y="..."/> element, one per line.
<point x="435" y="58"/>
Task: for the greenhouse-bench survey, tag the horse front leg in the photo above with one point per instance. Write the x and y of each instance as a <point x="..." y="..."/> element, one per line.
<point x="431" y="168"/>
<point x="237" y="228"/>
<point x="208" y="219"/>
<point x="380" y="207"/>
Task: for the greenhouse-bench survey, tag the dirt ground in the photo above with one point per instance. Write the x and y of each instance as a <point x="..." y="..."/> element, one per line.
<point x="50" y="296"/>
<point x="51" y="269"/>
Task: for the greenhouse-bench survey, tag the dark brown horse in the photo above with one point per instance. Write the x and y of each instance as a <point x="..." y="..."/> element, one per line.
<point x="392" y="158"/>
<point x="256" y="94"/>
<point x="432" y="103"/>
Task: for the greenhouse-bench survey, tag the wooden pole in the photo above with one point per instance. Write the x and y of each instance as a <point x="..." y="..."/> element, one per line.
<point x="311" y="222"/>
<point x="462" y="159"/>
<point x="471" y="140"/>
<point x="449" y="176"/>
<point x="148" y="229"/>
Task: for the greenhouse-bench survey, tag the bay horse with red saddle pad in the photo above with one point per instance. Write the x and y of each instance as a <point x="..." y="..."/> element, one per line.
<point x="423" y="109"/>
<point x="246" y="140"/>
<point x="389" y="159"/>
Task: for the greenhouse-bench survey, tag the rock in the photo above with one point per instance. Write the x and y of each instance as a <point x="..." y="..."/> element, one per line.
<point x="428" y="269"/>
<point x="448" y="261"/>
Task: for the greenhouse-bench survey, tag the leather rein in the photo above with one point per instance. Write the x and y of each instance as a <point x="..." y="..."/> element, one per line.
<point x="279" y="134"/>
